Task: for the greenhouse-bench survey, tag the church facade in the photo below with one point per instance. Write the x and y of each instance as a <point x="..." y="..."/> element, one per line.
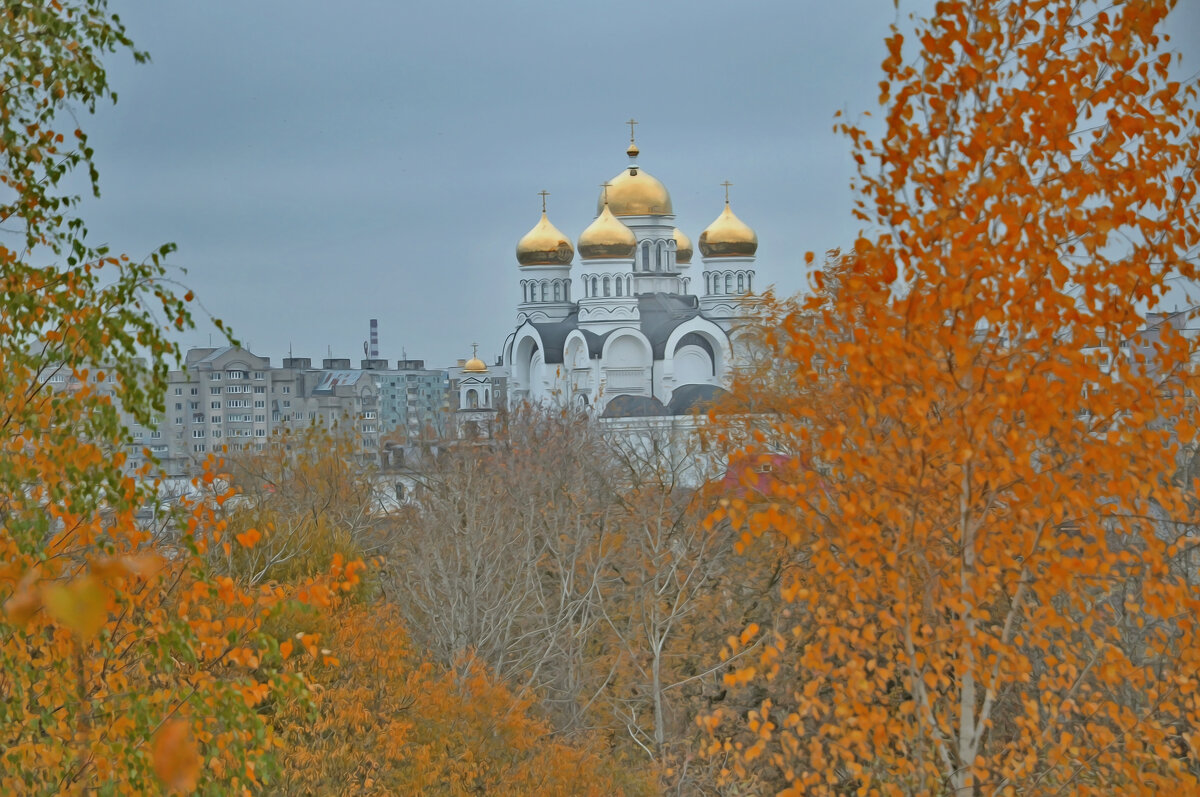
<point x="633" y="329"/>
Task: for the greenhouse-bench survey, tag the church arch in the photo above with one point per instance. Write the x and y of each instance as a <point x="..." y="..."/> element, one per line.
<point x="728" y="282"/>
<point x="645" y="256"/>
<point x="557" y="291"/>
<point x="607" y="286"/>
<point x="741" y="282"/>
<point x="620" y="287"/>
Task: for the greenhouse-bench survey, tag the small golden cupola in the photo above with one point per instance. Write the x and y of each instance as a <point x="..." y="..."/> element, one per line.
<point x="607" y="238"/>
<point x="545" y="244"/>
<point x="474" y="366"/>
<point x="683" y="247"/>
<point x="634" y="192"/>
<point x="728" y="236"/>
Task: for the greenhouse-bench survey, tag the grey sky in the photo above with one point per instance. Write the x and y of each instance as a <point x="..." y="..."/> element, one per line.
<point x="320" y="164"/>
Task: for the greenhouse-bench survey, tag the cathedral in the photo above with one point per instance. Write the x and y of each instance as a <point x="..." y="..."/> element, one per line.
<point x="630" y="330"/>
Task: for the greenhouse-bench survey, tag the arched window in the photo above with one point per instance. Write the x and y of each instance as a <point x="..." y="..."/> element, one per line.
<point x="750" y="282"/>
<point x="728" y="282"/>
<point x="544" y="291"/>
<point x="629" y="285"/>
<point x="658" y="260"/>
<point x="595" y="287"/>
<point x="487" y="397"/>
<point x="620" y="286"/>
<point x="741" y="283"/>
<point x="558" y="291"/>
<point x="472" y="399"/>
<point x="607" y="287"/>
<point x="646" y="256"/>
<point x="567" y="291"/>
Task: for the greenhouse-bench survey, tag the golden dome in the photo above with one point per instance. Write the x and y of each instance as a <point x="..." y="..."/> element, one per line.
<point x="683" y="247"/>
<point x="634" y="192"/>
<point x="474" y="366"/>
<point x="544" y="245"/>
<point x="607" y="237"/>
<point x="728" y="236"/>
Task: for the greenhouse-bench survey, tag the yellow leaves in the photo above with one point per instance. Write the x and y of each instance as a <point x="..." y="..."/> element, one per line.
<point x="249" y="538"/>
<point x="176" y="757"/>
<point x="25" y="600"/>
<point x="80" y="605"/>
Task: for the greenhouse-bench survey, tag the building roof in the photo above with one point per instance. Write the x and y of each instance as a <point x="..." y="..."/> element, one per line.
<point x="634" y="407"/>
<point x="694" y="398"/>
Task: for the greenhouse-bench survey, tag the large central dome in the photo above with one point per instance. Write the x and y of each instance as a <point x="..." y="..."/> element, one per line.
<point x="634" y="192"/>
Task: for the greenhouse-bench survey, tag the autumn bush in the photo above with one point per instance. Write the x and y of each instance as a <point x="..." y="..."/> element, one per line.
<point x="391" y="721"/>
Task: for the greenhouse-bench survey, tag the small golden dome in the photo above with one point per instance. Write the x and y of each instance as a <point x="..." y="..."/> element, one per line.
<point x="683" y="247"/>
<point x="607" y="237"/>
<point x="544" y="245"/>
<point x="475" y="366"/>
<point x="728" y="236"/>
<point x="634" y="192"/>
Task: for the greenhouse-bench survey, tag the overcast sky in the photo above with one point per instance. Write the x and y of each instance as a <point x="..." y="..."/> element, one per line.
<point x="321" y="164"/>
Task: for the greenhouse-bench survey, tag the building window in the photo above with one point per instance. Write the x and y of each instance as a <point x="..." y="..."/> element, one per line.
<point x="741" y="283"/>
<point x="729" y="283"/>
<point x="178" y="405"/>
<point x="286" y="389"/>
<point x="195" y="391"/>
<point x="658" y="250"/>
<point x="179" y="421"/>
<point x="155" y="435"/>
<point x="260" y="432"/>
<point x="260" y="389"/>
<point x="199" y="448"/>
<point x="238" y="375"/>
<point x="595" y="287"/>
<point x="260" y="404"/>
<point x="607" y="287"/>
<point x="260" y="418"/>
<point x="258" y="374"/>
<point x="214" y="405"/>
<point x="215" y="419"/>
<point x="620" y="286"/>
<point x="216" y="376"/>
<point x="198" y="433"/>
<point x="557" y="291"/>
<point x="646" y="256"/>
<point x="193" y="405"/>
<point x="178" y="391"/>
<point x="214" y="391"/>
<point x="287" y="405"/>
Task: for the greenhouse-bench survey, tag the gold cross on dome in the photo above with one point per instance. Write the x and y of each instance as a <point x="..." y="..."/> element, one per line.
<point x="631" y="123"/>
<point x="475" y="350"/>
<point x="543" y="193"/>
<point x="726" y="184"/>
<point x="605" y="187"/>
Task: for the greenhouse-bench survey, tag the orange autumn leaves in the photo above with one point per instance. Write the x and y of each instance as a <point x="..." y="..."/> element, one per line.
<point x="984" y="516"/>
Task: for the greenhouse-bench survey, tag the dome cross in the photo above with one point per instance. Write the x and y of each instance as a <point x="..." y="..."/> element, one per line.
<point x="631" y="124"/>
<point x="726" y="184"/>
<point x="543" y="194"/>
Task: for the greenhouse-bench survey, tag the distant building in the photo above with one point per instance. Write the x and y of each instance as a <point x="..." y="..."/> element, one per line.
<point x="478" y="393"/>
<point x="622" y="333"/>
<point x="227" y="399"/>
